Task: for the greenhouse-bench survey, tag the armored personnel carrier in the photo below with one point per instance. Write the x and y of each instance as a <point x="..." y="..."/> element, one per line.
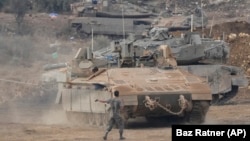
<point x="146" y="92"/>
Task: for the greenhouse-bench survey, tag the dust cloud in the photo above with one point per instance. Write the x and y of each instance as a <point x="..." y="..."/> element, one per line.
<point x="33" y="109"/>
<point x="22" y="59"/>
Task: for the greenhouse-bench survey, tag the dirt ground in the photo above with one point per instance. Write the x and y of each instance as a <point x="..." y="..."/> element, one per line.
<point x="39" y="119"/>
<point x="31" y="115"/>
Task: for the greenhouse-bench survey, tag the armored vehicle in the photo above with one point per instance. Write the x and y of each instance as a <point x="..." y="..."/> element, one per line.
<point x="110" y="9"/>
<point x="109" y="26"/>
<point x="204" y="57"/>
<point x="110" y="18"/>
<point x="224" y="80"/>
<point x="146" y="92"/>
<point x="188" y="49"/>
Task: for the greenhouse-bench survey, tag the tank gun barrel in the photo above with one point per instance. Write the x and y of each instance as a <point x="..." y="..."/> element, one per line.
<point x="17" y="82"/>
<point x="178" y="28"/>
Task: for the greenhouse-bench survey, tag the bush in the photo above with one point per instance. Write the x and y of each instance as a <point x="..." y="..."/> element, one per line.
<point x="2" y="3"/>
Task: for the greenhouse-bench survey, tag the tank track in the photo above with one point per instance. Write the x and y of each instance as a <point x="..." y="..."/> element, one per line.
<point x="198" y="112"/>
<point x="217" y="100"/>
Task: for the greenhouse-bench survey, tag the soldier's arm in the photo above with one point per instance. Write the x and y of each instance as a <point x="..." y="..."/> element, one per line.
<point x="102" y="101"/>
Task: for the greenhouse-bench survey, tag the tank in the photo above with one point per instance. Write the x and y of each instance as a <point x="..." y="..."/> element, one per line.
<point x="189" y="49"/>
<point x="110" y="18"/>
<point x="112" y="27"/>
<point x="150" y="92"/>
<point x="110" y="9"/>
<point x="224" y="80"/>
<point x="116" y="18"/>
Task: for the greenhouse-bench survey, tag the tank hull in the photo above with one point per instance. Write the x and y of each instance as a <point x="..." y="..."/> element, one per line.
<point x="163" y="94"/>
<point x="80" y="106"/>
<point x="224" y="80"/>
<point x="109" y="26"/>
<point x="169" y="100"/>
<point x="82" y="99"/>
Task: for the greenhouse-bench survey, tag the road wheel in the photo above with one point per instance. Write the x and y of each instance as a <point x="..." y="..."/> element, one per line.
<point x="215" y="99"/>
<point x="199" y="111"/>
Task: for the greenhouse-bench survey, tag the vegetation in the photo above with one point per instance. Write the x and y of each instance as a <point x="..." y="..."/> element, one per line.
<point x="58" y="6"/>
<point x="19" y="8"/>
<point x="2" y="3"/>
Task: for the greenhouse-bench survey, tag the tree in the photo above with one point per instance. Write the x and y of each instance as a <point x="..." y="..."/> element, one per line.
<point x="20" y="8"/>
<point x="2" y="3"/>
<point x="53" y="5"/>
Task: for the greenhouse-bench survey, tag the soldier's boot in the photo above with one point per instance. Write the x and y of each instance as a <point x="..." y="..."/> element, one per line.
<point x="105" y="136"/>
<point x="121" y="137"/>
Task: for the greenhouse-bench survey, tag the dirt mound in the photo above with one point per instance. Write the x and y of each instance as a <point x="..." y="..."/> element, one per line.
<point x="239" y="42"/>
<point x="240" y="52"/>
<point x="228" y="28"/>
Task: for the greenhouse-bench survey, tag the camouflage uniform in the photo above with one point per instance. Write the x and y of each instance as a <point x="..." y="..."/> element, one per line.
<point x="115" y="117"/>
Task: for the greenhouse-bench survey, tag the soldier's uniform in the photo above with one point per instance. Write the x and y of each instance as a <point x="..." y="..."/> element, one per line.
<point x="115" y="118"/>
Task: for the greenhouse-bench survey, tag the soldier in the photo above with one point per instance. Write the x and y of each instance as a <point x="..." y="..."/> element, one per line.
<point x="116" y="107"/>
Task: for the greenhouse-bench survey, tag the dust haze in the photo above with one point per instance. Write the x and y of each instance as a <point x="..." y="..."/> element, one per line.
<point x="23" y="100"/>
<point x="35" y="109"/>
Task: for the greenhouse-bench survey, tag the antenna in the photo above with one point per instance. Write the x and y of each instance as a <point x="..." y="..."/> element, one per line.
<point x="202" y="24"/>
<point x="92" y="40"/>
<point x="175" y="8"/>
<point x="107" y="66"/>
<point x="107" y="72"/>
<point x="123" y="27"/>
<point x="211" y="27"/>
<point x="192" y="23"/>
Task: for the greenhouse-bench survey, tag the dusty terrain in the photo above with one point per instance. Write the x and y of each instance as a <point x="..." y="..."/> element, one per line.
<point x="37" y="118"/>
<point x="28" y="114"/>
